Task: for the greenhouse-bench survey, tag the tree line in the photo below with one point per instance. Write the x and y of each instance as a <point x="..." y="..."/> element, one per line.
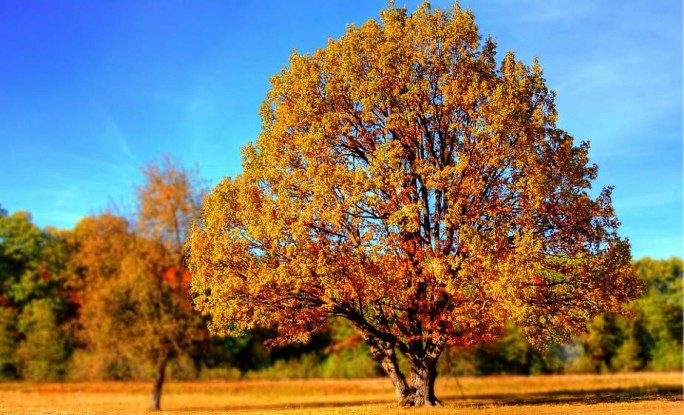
<point x="109" y="299"/>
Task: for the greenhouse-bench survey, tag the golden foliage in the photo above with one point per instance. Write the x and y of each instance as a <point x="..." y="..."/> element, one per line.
<point x="168" y="200"/>
<point x="406" y="181"/>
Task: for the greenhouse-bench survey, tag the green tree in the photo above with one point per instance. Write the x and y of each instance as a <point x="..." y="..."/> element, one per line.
<point x="407" y="181"/>
<point x="43" y="353"/>
<point x="510" y="353"/>
<point x="347" y="356"/>
<point x="599" y="344"/>
<point x="34" y="299"/>
<point x="246" y="353"/>
<point x="21" y="257"/>
<point x="630" y="354"/>
<point x="660" y="311"/>
<point x="650" y="336"/>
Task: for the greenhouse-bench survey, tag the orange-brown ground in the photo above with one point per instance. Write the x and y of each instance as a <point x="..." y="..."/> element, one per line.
<point x="634" y="393"/>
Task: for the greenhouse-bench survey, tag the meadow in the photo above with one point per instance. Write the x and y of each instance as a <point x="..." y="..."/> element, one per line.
<point x="629" y="393"/>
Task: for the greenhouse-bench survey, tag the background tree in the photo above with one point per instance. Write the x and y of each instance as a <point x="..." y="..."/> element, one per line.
<point x="599" y="345"/>
<point x="659" y="312"/>
<point x="21" y="258"/>
<point x="20" y="255"/>
<point x="406" y="182"/>
<point x="102" y="244"/>
<point x="134" y="298"/>
<point x="510" y="353"/>
<point x="36" y="313"/>
<point x="43" y="352"/>
<point x="8" y="343"/>
<point x="650" y="337"/>
<point x="169" y="200"/>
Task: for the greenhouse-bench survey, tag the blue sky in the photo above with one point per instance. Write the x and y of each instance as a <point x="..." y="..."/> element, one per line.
<point x="90" y="91"/>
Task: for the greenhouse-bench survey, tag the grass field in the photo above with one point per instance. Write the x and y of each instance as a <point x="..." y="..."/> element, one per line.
<point x="634" y="393"/>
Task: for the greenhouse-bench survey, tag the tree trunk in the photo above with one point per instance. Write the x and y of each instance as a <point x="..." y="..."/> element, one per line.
<point x="423" y="371"/>
<point x="159" y="374"/>
<point x="423" y="375"/>
<point x="385" y="355"/>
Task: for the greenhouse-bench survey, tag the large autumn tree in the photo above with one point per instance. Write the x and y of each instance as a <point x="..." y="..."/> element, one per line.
<point x="406" y="181"/>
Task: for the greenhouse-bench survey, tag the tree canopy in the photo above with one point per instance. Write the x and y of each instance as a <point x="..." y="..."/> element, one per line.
<point x="406" y="181"/>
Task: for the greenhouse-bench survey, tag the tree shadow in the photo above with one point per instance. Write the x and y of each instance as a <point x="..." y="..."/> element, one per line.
<point x="287" y="406"/>
<point x="588" y="396"/>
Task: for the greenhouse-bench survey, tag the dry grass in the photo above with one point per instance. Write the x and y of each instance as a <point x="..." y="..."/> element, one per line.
<point x="637" y="393"/>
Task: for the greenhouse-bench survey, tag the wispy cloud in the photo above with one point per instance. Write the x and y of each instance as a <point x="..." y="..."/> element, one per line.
<point x="110" y="166"/>
<point x="110" y="128"/>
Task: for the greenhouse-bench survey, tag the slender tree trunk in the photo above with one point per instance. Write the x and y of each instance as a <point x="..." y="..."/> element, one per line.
<point x="385" y="355"/>
<point x="159" y="374"/>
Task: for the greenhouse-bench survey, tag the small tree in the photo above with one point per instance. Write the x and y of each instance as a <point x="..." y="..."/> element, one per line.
<point x="406" y="182"/>
<point x="136" y="280"/>
<point x="169" y="200"/>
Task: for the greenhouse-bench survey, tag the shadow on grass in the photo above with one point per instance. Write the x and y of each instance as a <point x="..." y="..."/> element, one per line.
<point x="287" y="406"/>
<point x="588" y="396"/>
<point x="591" y="396"/>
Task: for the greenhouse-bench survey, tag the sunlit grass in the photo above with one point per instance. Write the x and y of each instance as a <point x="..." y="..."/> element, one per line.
<point x="636" y="393"/>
